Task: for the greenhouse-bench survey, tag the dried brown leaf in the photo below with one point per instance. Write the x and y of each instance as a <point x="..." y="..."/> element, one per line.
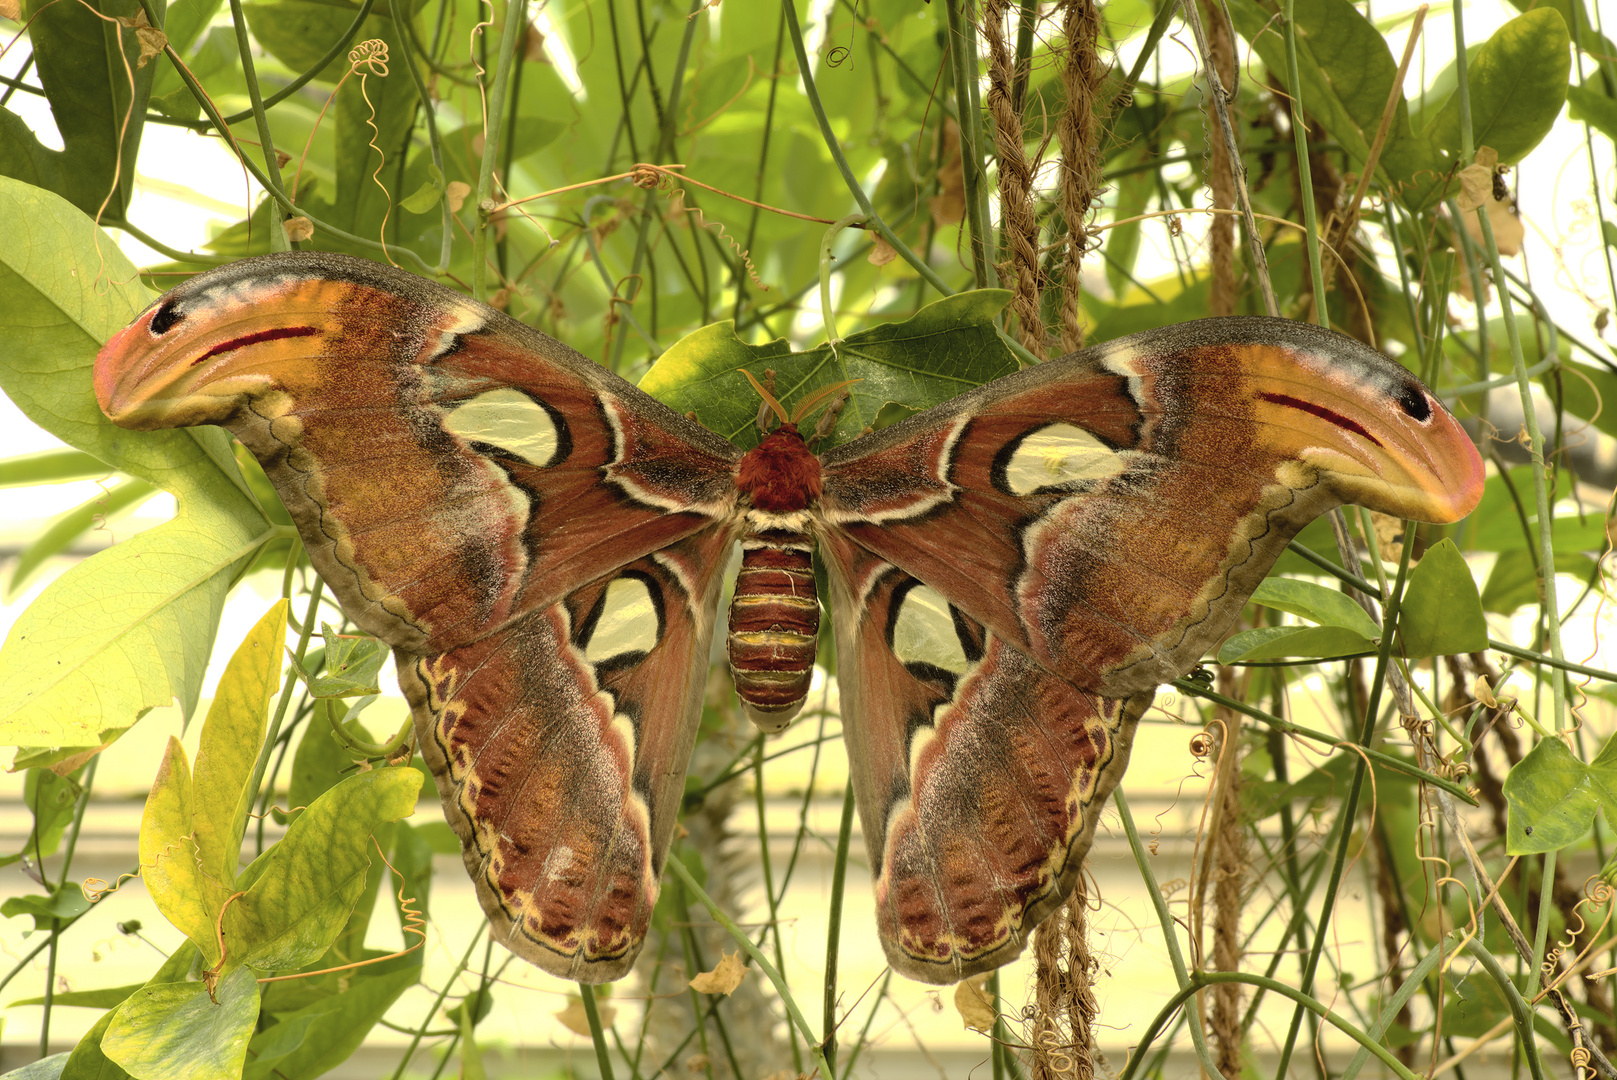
<point x="975" y="1006"/>
<point x="724" y="977"/>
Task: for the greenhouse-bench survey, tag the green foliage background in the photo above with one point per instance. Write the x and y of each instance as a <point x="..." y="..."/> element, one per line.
<point x="770" y="125"/>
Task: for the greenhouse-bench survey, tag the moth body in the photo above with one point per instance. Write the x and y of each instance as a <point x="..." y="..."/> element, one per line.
<point x="775" y="613"/>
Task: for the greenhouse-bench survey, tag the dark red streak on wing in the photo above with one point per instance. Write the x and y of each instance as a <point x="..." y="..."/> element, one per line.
<point x="254" y="339"/>
<point x="1320" y="411"/>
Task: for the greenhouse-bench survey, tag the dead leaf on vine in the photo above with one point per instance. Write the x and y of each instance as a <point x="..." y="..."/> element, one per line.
<point x="724" y="977"/>
<point x="976" y="1007"/>
<point x="11" y="9"/>
<point x="456" y="193"/>
<point x="298" y="228"/>
<point x="152" y="40"/>
<point x="882" y="253"/>
<point x="576" y="1020"/>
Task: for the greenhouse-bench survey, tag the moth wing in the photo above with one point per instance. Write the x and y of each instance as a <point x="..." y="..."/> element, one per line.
<point x="560" y="745"/>
<point x="1014" y="572"/>
<point x="538" y="540"/>
<point x="980" y="776"/>
<point x="448" y="467"/>
<point x="1109" y="513"/>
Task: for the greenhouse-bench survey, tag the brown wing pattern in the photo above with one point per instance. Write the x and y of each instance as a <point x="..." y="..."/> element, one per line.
<point x="448" y="467"/>
<point x="1016" y="571"/>
<point x="560" y="744"/>
<point x="980" y="776"/>
<point x="538" y="540"/>
<point x="1109" y="513"/>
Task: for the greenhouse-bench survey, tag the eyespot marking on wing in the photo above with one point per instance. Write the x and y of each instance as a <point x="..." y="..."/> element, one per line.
<point x="1416" y="405"/>
<point x="923" y="631"/>
<point x="625" y="624"/>
<point x="1051" y="456"/>
<point x="167" y="317"/>
<point x="511" y="421"/>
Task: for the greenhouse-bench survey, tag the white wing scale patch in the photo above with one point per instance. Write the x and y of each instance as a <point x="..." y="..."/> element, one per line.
<point x="628" y="622"/>
<point x="510" y="420"/>
<point x="925" y="633"/>
<point x="1059" y="454"/>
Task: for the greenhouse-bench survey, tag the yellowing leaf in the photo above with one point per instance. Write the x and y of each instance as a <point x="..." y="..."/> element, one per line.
<point x="976" y="1007"/>
<point x="574" y="1019"/>
<point x="298" y="229"/>
<point x="724" y="977"/>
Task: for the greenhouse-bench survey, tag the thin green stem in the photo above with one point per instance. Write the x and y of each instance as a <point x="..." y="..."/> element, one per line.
<point x="593" y="1014"/>
<point x="516" y="24"/>
<point x="1305" y="176"/>
<point x="1202" y="979"/>
<point x="963" y="68"/>
<point x="1386" y="761"/>
<point x="1350" y="806"/>
<point x="401" y="20"/>
<point x="415" y="1039"/>
<point x="290" y="684"/>
<point x="833" y="930"/>
<point x="773" y="974"/>
<point x="272" y="167"/>
<point x="1170" y="933"/>
<point x="769" y="878"/>
<point x="805" y="71"/>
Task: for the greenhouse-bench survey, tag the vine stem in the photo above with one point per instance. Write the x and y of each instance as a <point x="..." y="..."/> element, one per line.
<point x="839" y="879"/>
<point x="1198" y="1036"/>
<point x="770" y="971"/>
<point x="592" y="1013"/>
<point x="239" y="827"/>
<point x="1541" y="495"/>
<point x="515" y="25"/>
<point x="1200" y="980"/>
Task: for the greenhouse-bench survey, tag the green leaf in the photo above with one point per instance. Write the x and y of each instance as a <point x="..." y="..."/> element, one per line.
<point x="51" y="799"/>
<point x="943" y="350"/>
<point x="175" y="1031"/>
<point x="321" y="1035"/>
<point x="132" y="627"/>
<point x="1441" y="614"/>
<point x="301" y="897"/>
<point x="1317" y="604"/>
<point x="1513" y="581"/>
<point x="45" y="1068"/>
<point x="427" y="195"/>
<point x="168" y="855"/>
<point x="77" y="53"/>
<point x="87" y="1062"/>
<point x="50" y="467"/>
<point x="1293" y="642"/>
<point x="1552" y="796"/>
<point x="1347" y="73"/>
<point x="1517" y="86"/>
<point x="108" y="997"/>
<point x="221" y="789"/>
<point x="72" y="525"/>
<point x="69" y="903"/>
<point x="1590" y="104"/>
<point x="352" y="662"/>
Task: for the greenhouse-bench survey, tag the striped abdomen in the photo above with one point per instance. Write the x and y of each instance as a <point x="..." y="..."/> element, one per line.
<point x="774" y="620"/>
